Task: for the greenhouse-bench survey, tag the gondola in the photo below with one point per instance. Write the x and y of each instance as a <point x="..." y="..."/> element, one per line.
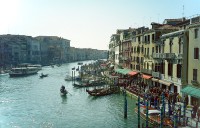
<point x="63" y="91"/>
<point x="102" y="92"/>
<point x="43" y="75"/>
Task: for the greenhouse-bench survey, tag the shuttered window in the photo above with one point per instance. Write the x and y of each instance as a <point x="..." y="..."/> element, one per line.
<point x="196" y="53"/>
<point x="195" y="74"/>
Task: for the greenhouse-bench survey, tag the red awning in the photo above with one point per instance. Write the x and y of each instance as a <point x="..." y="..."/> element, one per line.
<point x="103" y="64"/>
<point x="132" y="73"/>
<point x="146" y="76"/>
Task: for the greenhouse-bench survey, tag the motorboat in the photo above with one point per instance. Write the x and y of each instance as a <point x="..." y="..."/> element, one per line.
<point x="68" y="78"/>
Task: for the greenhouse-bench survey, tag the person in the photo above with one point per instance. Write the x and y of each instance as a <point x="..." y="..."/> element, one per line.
<point x="198" y="113"/>
<point x="194" y="111"/>
<point x="62" y="89"/>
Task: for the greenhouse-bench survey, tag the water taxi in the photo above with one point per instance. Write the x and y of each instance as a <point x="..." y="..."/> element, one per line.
<point x="23" y="71"/>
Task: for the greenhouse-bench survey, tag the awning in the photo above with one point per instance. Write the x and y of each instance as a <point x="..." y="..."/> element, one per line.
<point x="103" y="64"/>
<point x="146" y="76"/>
<point x="154" y="79"/>
<point x="192" y="91"/>
<point x="112" y="65"/>
<point x="125" y="71"/>
<point x="132" y="73"/>
<point x="165" y="82"/>
<point x="118" y="70"/>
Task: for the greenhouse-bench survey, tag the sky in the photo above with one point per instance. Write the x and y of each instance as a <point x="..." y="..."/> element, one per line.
<point x="88" y="23"/>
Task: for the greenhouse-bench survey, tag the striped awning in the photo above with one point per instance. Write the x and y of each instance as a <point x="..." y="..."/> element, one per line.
<point x="146" y="76"/>
<point x="154" y="79"/>
<point x="164" y="82"/>
<point x="192" y="91"/>
<point x="132" y="73"/>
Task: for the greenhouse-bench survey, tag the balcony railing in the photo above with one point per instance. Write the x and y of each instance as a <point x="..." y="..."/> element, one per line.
<point x="147" y="71"/>
<point x="180" y="56"/>
<point x="156" y="55"/>
<point x="169" y="55"/>
<point x="156" y="74"/>
<point x="195" y="82"/>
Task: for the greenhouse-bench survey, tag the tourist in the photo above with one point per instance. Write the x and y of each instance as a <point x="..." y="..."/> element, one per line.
<point x="194" y="110"/>
<point x="198" y="113"/>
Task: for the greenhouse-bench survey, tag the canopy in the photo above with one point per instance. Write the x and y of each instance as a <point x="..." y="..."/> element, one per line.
<point x="122" y="71"/>
<point x="191" y="90"/>
<point x="146" y="76"/>
<point x="154" y="79"/>
<point x="132" y="73"/>
<point x="165" y="82"/>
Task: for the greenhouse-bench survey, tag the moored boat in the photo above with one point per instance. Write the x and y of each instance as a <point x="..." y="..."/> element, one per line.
<point x="68" y="78"/>
<point x="154" y="116"/>
<point x="102" y="91"/>
<point x="23" y="71"/>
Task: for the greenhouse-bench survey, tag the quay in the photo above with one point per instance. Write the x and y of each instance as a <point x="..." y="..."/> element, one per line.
<point x="172" y="104"/>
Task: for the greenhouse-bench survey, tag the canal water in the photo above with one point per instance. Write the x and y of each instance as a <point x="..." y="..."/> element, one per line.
<point x="31" y="102"/>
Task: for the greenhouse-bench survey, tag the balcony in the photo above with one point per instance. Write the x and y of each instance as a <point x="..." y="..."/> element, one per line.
<point x="169" y="55"/>
<point x="195" y="82"/>
<point x="147" y="71"/>
<point x="156" y="55"/>
<point x="156" y="74"/>
<point x="180" y="56"/>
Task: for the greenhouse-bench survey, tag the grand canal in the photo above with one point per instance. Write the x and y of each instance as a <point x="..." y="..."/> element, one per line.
<point x="31" y="102"/>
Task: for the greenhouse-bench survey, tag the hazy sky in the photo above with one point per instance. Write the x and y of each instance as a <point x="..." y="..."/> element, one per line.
<point x="87" y="23"/>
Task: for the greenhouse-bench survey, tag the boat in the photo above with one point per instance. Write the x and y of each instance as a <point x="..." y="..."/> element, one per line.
<point x="90" y="83"/>
<point x="30" y="65"/>
<point x="43" y="75"/>
<point x="102" y="91"/>
<point x="80" y="63"/>
<point x="63" y="91"/>
<point x="23" y="71"/>
<point x="154" y="116"/>
<point x="68" y="78"/>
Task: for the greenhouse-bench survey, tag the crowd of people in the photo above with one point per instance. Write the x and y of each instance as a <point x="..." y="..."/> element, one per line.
<point x="154" y="96"/>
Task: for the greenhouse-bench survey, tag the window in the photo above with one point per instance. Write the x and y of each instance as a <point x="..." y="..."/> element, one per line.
<point x="170" y="46"/>
<point x="170" y="69"/>
<point x="153" y="37"/>
<point x="152" y="50"/>
<point x="156" y="49"/>
<point x="195" y="74"/>
<point x="179" y="46"/>
<point x="196" y="33"/>
<point x="148" y="39"/>
<point x="138" y="38"/>
<point x="196" y="53"/>
<point x="178" y="70"/>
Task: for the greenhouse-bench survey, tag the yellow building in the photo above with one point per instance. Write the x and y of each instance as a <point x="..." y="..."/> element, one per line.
<point x="193" y="78"/>
<point x="171" y="54"/>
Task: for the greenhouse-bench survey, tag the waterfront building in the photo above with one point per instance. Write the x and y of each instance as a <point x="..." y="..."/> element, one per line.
<point x="34" y="55"/>
<point x="193" y="78"/>
<point x="138" y="49"/>
<point x="126" y="38"/>
<point x="111" y="46"/>
<point x="114" y="50"/>
<point x="171" y="56"/>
